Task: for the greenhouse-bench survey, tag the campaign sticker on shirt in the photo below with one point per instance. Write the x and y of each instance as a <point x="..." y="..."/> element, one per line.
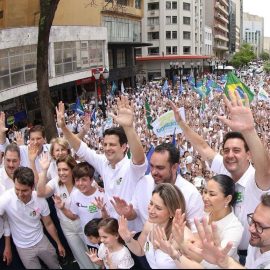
<point x="34" y="213"/>
<point x="119" y="181"/>
<point x="64" y="195"/>
<point x="239" y="197"/>
<point x="92" y="208"/>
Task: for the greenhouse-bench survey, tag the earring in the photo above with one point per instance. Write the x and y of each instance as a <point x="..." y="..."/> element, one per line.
<point x="226" y="205"/>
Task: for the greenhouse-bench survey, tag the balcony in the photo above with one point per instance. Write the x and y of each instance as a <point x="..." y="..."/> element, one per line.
<point x="221" y="27"/>
<point x="219" y="16"/>
<point x="221" y="37"/>
<point x="221" y="47"/>
<point x="219" y="7"/>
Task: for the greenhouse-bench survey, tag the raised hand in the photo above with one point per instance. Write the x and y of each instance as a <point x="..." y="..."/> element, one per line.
<point x="178" y="228"/>
<point x="86" y="122"/>
<point x="60" y="114"/>
<point x="44" y="161"/>
<point x="19" y="138"/>
<point x="3" y="128"/>
<point x="123" y="230"/>
<point x="176" y="112"/>
<point x="99" y="203"/>
<point x="240" y="117"/>
<point x="211" y="248"/>
<point x="92" y="254"/>
<point x="125" y="111"/>
<point x="58" y="202"/>
<point x="121" y="207"/>
<point x="32" y="152"/>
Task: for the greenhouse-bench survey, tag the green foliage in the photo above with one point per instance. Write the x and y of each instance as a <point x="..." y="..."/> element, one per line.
<point x="265" y="56"/>
<point x="244" y="56"/>
<point x="266" y="66"/>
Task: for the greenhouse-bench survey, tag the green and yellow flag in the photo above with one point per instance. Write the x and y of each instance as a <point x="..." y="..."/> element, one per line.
<point x="234" y="84"/>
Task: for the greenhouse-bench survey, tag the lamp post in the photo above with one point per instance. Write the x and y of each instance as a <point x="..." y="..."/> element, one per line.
<point x="181" y="71"/>
<point x="223" y="65"/>
<point x="173" y="70"/>
<point x="216" y="65"/>
<point x="209" y="61"/>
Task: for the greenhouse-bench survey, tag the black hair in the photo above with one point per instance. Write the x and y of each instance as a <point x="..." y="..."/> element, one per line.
<point x="227" y="186"/>
<point x="91" y="228"/>
<point x="24" y="176"/>
<point x="235" y="135"/>
<point x="174" y="154"/>
<point x="118" y="131"/>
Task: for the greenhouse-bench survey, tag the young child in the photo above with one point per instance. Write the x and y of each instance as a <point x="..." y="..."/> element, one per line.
<point x="112" y="253"/>
<point x="91" y="231"/>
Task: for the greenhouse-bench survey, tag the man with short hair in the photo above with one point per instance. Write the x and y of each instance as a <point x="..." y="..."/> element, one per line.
<point x="238" y="148"/>
<point x="25" y="211"/>
<point x="11" y="163"/>
<point x="120" y="174"/>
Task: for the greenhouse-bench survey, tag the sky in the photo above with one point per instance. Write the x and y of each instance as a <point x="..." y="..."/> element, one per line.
<point x="260" y="8"/>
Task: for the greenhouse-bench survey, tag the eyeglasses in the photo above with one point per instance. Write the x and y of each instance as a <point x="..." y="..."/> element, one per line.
<point x="258" y="227"/>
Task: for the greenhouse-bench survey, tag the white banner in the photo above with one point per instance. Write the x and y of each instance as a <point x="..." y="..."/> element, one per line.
<point x="166" y="124"/>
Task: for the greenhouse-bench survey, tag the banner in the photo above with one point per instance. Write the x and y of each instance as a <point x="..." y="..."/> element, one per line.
<point x="166" y="124"/>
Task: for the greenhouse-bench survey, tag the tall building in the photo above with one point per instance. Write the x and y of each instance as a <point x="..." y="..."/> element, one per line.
<point x="86" y="39"/>
<point x="176" y="31"/>
<point x="253" y="32"/>
<point x="217" y="17"/>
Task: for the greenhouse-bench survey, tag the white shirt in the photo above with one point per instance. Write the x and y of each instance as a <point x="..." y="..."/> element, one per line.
<point x="230" y="229"/>
<point x="4" y="225"/>
<point x="52" y="170"/>
<point x="119" y="181"/>
<point x="121" y="259"/>
<point x="24" y="219"/>
<point x="248" y="197"/>
<point x="25" y="159"/>
<point x="143" y="193"/>
<point x="257" y="260"/>
<point x="5" y="180"/>
<point x="82" y="206"/>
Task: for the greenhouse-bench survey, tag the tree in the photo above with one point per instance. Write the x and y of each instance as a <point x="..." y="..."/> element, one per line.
<point x="244" y="56"/>
<point x="47" y="12"/>
<point x="265" y="56"/>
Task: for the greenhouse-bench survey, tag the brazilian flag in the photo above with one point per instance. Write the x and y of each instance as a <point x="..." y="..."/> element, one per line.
<point x="234" y="84"/>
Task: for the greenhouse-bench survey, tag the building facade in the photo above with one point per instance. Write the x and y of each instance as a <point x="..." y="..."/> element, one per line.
<point x="253" y="32"/>
<point x="176" y="31"/>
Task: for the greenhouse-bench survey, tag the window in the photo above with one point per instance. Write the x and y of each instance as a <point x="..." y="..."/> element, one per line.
<point x="174" y="49"/>
<point x="153" y="51"/>
<point x="153" y="6"/>
<point x="153" y="35"/>
<point x="168" y="50"/>
<point x="121" y="58"/>
<point x="153" y="21"/>
<point x="168" y="5"/>
<point x="168" y="20"/>
<point x="138" y="4"/>
<point x="174" y="19"/>
<point x="174" y="34"/>
<point x="186" y="6"/>
<point x="1" y="14"/>
<point x="168" y="34"/>
<point x="174" y="5"/>
<point x="186" y="20"/>
<point x="186" y="35"/>
<point x="186" y="50"/>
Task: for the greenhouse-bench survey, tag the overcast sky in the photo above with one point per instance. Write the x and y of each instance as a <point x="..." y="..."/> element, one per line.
<point x="260" y="8"/>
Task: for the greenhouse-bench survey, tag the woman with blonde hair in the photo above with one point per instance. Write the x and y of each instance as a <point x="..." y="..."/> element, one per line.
<point x="166" y="199"/>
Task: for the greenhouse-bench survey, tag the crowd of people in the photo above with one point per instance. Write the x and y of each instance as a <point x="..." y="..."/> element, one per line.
<point x="205" y="202"/>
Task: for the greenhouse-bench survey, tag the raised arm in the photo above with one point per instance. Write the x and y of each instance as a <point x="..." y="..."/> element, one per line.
<point x="44" y="190"/>
<point x="125" y="118"/>
<point x="195" y="139"/>
<point x="73" y="140"/>
<point x="3" y="128"/>
<point x="241" y="120"/>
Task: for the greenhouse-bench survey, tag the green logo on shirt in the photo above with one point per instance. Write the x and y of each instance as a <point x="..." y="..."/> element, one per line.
<point x="239" y="197"/>
<point x="92" y="208"/>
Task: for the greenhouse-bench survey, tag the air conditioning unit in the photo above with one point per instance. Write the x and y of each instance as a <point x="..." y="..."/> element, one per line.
<point x="152" y="12"/>
<point x="152" y="27"/>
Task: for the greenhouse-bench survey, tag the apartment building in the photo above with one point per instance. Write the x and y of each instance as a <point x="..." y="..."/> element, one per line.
<point x="87" y="38"/>
<point x="253" y="32"/>
<point x="176" y="31"/>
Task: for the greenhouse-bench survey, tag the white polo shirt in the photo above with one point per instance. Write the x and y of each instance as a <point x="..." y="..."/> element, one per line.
<point x="5" y="180"/>
<point x="24" y="219"/>
<point x="248" y="195"/>
<point x="82" y="206"/>
<point x="4" y="225"/>
<point x="257" y="260"/>
<point x="61" y="191"/>
<point x="143" y="194"/>
<point x="119" y="181"/>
